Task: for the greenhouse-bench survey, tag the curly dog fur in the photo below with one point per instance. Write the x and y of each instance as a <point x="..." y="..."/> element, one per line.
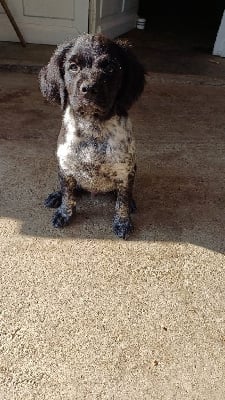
<point x="96" y="81"/>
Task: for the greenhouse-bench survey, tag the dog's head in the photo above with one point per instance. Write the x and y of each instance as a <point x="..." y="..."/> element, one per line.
<point x="95" y="75"/>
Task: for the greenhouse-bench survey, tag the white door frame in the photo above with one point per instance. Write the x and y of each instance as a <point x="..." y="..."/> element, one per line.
<point x="219" y="46"/>
<point x="112" y="18"/>
<point x="94" y="16"/>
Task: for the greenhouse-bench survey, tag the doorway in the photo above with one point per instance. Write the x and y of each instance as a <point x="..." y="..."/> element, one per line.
<point x="194" y="24"/>
<point x="179" y="40"/>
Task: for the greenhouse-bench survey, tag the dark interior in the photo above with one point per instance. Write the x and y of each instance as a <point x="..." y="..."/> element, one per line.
<point x="179" y="38"/>
<point x="197" y="21"/>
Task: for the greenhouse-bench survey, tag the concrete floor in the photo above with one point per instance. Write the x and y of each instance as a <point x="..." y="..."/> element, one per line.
<point x="87" y="316"/>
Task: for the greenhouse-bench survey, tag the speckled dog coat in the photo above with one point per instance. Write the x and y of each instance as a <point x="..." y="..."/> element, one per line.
<point x="96" y="81"/>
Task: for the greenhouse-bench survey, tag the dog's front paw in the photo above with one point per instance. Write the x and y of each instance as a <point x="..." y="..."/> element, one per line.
<point x="54" y="200"/>
<point x="122" y="227"/>
<point x="61" y="217"/>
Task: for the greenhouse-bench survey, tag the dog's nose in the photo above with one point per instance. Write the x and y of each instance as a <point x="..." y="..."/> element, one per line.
<point x="88" y="88"/>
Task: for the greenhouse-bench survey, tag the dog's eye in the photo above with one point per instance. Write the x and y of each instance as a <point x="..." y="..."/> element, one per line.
<point x="73" y="67"/>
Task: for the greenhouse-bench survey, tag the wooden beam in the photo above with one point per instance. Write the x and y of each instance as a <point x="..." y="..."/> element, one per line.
<point x="13" y="22"/>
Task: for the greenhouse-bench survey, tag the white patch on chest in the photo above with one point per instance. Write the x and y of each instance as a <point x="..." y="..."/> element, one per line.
<point x="97" y="154"/>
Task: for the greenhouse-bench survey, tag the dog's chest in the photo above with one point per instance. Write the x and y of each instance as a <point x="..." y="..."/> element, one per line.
<point x="97" y="155"/>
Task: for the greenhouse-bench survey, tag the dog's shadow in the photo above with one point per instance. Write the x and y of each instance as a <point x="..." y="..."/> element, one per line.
<point x="170" y="207"/>
<point x="182" y="209"/>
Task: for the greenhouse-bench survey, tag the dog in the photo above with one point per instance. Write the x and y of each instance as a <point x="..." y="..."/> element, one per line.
<point x="95" y="80"/>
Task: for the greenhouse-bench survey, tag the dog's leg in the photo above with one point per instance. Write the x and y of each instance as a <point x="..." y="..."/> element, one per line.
<point x="67" y="207"/>
<point x="53" y="200"/>
<point x="122" y="224"/>
<point x="132" y="203"/>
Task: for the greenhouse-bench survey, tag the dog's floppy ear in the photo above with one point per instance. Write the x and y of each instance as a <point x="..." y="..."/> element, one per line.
<point x="133" y="78"/>
<point x="51" y="77"/>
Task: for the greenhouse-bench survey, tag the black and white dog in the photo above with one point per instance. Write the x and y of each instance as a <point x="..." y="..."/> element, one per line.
<point x="96" y="81"/>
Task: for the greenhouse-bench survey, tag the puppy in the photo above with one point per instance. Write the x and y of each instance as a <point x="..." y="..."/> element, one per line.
<point x="96" y="81"/>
